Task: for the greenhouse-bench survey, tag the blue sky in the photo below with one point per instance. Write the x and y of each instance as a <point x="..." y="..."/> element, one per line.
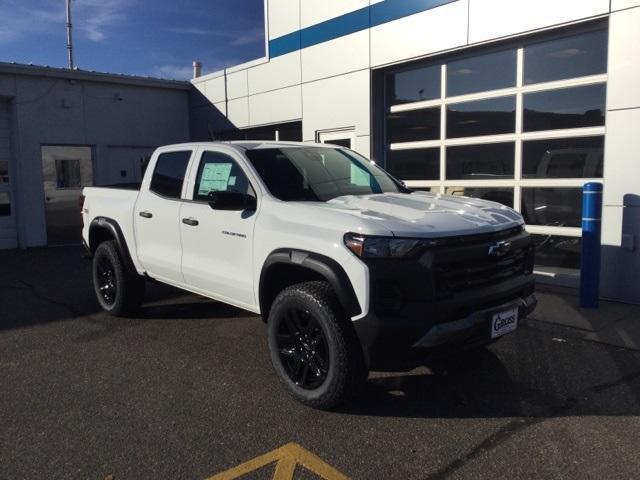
<point x="158" y="38"/>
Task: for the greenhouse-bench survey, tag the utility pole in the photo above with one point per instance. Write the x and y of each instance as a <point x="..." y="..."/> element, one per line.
<point x="69" y="36"/>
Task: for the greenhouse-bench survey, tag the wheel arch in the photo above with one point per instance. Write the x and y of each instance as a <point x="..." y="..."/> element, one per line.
<point x="104" y="229"/>
<point x="286" y="267"/>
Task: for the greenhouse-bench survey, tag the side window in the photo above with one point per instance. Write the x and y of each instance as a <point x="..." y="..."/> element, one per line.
<point x="169" y="173"/>
<point x="219" y="172"/>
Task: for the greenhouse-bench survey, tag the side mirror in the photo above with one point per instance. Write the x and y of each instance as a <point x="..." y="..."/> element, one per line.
<point x="231" y="201"/>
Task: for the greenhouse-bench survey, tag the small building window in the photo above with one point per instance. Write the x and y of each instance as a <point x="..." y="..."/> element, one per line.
<point x="68" y="174"/>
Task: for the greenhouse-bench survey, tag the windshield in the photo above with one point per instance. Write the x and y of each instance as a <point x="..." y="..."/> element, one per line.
<point x="318" y="174"/>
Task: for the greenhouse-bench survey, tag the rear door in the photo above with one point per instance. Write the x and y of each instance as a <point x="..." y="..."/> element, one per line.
<point x="217" y="245"/>
<point x="157" y="216"/>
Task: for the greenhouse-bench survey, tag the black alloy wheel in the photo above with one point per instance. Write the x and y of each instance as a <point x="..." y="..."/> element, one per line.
<point x="313" y="346"/>
<point x="303" y="349"/>
<point x="107" y="281"/>
<point x="118" y="288"/>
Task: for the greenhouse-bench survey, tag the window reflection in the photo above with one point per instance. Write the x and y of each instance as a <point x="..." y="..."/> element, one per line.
<point x="553" y="206"/>
<point x="475" y="74"/>
<point x="413" y="125"/>
<point x="503" y="195"/>
<point x="418" y="164"/>
<point x="413" y="85"/>
<point x="426" y="189"/>
<point x="557" y="251"/>
<point x="565" y="108"/>
<point x="580" y="157"/>
<point x="475" y="162"/>
<point x="568" y="57"/>
<point x="481" y="117"/>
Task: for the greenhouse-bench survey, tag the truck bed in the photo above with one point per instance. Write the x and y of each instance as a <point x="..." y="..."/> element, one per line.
<point x="122" y="186"/>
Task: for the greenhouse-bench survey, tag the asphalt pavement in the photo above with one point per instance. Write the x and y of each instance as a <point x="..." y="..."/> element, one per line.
<point x="186" y="390"/>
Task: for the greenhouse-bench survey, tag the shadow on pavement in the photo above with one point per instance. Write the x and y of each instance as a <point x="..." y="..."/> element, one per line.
<point x="43" y="285"/>
<point x="507" y="381"/>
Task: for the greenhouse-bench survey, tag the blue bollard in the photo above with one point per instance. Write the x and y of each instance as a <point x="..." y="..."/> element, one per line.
<point x="591" y="229"/>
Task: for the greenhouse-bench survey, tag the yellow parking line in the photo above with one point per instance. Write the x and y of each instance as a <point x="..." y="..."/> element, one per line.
<point x="288" y="457"/>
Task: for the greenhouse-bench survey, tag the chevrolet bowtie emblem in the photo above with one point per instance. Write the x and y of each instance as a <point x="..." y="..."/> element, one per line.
<point x="500" y="248"/>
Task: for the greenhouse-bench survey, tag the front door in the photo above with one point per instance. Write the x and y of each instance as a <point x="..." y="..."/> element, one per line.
<point x="342" y="138"/>
<point x="217" y="253"/>
<point x="66" y="171"/>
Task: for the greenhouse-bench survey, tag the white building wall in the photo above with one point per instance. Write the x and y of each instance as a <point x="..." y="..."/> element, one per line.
<point x="279" y="72"/>
<point x="431" y="31"/>
<point x="491" y="19"/>
<point x="621" y="202"/>
<point x="337" y="103"/>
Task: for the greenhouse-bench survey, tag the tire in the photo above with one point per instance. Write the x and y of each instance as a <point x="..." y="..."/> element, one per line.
<point x="313" y="346"/>
<point x="118" y="290"/>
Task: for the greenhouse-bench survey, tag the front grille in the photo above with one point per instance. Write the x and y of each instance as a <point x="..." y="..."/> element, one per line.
<point x="457" y="270"/>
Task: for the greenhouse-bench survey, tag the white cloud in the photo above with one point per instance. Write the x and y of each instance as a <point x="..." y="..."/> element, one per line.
<point x="172" y="72"/>
<point x="251" y="37"/>
<point x="92" y="19"/>
<point x="20" y="19"/>
<point x="97" y="17"/>
<point x="234" y="38"/>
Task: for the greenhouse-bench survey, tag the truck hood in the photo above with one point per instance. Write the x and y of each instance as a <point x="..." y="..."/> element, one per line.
<point x="428" y="215"/>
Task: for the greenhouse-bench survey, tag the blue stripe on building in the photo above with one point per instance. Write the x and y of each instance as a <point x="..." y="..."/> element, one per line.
<point x="356" y="21"/>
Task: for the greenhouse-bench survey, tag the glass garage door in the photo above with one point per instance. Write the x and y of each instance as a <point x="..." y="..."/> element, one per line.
<point x="520" y="124"/>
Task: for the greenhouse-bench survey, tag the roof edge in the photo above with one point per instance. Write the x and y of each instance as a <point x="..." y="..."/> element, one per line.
<point x="56" y="72"/>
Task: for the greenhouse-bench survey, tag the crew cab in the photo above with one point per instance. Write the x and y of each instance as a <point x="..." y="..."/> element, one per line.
<point x="350" y="270"/>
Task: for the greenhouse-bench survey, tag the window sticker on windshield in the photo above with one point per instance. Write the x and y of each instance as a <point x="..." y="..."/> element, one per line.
<point x="232" y="181"/>
<point x="359" y="177"/>
<point x="215" y="177"/>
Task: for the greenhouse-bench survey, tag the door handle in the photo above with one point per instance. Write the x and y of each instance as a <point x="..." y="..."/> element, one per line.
<point x="190" y="221"/>
<point x="146" y="214"/>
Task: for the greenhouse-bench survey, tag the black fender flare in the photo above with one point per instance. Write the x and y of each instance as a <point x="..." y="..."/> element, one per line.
<point x="114" y="229"/>
<point x="325" y="266"/>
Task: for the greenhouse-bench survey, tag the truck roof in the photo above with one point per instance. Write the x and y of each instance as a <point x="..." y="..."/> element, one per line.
<point x="249" y="144"/>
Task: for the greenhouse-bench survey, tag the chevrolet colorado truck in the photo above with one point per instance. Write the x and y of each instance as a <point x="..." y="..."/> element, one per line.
<point x="350" y="270"/>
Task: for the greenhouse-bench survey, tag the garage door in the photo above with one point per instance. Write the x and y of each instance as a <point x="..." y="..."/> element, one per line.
<point x="8" y="237"/>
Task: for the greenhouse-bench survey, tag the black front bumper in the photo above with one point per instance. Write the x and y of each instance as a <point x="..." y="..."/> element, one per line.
<point x="396" y="343"/>
<point x="442" y="301"/>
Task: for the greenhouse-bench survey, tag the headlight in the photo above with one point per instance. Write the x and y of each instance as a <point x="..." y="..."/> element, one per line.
<point x="381" y="247"/>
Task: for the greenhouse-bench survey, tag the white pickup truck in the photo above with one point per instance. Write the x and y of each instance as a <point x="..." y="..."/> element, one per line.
<point x="350" y="270"/>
